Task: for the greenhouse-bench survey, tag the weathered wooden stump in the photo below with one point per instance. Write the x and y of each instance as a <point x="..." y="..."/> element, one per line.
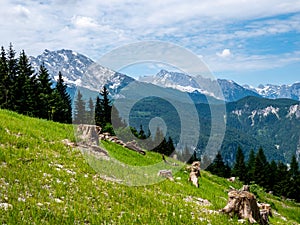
<point x="194" y="173"/>
<point x="166" y="173"/>
<point x="244" y="205"/>
<point x="87" y="134"/>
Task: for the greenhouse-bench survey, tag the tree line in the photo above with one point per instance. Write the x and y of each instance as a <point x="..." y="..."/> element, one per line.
<point x="105" y="115"/>
<point x="24" y="91"/>
<point x="280" y="179"/>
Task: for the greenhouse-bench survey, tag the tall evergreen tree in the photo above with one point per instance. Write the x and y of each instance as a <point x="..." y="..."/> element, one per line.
<point x="45" y="93"/>
<point x="4" y="79"/>
<point x="142" y="134"/>
<point x="250" y="166"/>
<point x="218" y="167"/>
<point x="91" y="112"/>
<point x="24" y="87"/>
<point x="12" y="71"/>
<point x="103" y="110"/>
<point x="239" y="168"/>
<point x="294" y="167"/>
<point x="106" y="103"/>
<point x="79" y="109"/>
<point x="62" y="110"/>
<point x="294" y="180"/>
<point x="98" y="112"/>
<point x="261" y="169"/>
<point x="281" y="186"/>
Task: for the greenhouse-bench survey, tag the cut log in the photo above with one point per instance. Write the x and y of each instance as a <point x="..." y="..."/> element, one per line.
<point x="244" y="205"/>
<point x="132" y="145"/>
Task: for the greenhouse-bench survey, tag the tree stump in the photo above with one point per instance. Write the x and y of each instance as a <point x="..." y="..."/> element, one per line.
<point x="166" y="173"/>
<point x="87" y="134"/>
<point x="244" y="205"/>
<point x="195" y="173"/>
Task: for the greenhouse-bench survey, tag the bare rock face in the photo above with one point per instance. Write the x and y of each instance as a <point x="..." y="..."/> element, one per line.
<point x="244" y="205"/>
<point x="194" y="173"/>
<point x="88" y="134"/>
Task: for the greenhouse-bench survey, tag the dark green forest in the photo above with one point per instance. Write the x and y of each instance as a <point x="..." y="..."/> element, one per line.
<point x="276" y="178"/>
<point x="28" y="93"/>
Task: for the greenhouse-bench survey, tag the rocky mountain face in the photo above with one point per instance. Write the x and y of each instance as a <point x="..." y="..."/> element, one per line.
<point x="277" y="91"/>
<point x="79" y="70"/>
<point x="231" y="91"/>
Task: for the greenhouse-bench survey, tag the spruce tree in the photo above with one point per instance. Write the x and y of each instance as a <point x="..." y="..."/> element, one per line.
<point x="250" y="166"/>
<point x="142" y="134"/>
<point x="239" y="168"/>
<point x="106" y="104"/>
<point x="91" y="112"/>
<point x="281" y="186"/>
<point x="103" y="111"/>
<point x="4" y="79"/>
<point x="24" y="87"/>
<point x="294" y="180"/>
<point x="98" y="112"/>
<point x="79" y="109"/>
<point x="12" y="71"/>
<point x="261" y="169"/>
<point x="45" y="93"/>
<point x="62" y="109"/>
<point x="218" y="167"/>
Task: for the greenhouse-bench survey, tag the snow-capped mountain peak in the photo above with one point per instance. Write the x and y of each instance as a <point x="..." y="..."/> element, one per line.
<point x="79" y="70"/>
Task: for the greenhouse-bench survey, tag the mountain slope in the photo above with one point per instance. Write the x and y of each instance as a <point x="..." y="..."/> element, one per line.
<point x="42" y="181"/>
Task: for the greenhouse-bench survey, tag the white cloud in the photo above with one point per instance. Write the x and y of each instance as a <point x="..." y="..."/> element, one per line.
<point x="84" y="22"/>
<point x="94" y="27"/>
<point x="225" y="53"/>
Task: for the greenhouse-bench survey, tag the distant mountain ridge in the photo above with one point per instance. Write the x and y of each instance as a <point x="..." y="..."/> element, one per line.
<point x="277" y="91"/>
<point x="74" y="67"/>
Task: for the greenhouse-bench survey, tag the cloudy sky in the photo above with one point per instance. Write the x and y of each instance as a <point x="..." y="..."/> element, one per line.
<point x="249" y="41"/>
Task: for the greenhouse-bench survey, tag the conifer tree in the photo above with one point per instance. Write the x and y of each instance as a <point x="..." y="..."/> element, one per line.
<point x="294" y="167"/>
<point x="250" y="166"/>
<point x="62" y="110"/>
<point x="294" y="180"/>
<point x="218" y="167"/>
<point x="12" y="71"/>
<point x="45" y="93"/>
<point x="103" y="110"/>
<point x="261" y="169"/>
<point x="91" y="112"/>
<point x="24" y="87"/>
<point x="239" y="168"/>
<point x="98" y="112"/>
<point x="79" y="109"/>
<point x="4" y="79"/>
<point x="142" y="134"/>
<point x="281" y="186"/>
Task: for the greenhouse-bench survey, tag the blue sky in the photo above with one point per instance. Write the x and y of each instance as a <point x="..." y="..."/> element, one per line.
<point x="247" y="41"/>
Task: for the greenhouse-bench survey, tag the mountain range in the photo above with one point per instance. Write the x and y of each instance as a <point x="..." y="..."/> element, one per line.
<point x="76" y="69"/>
<point x="255" y="117"/>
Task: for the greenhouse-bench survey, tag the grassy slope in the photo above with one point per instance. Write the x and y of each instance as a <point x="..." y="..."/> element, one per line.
<point x="46" y="182"/>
